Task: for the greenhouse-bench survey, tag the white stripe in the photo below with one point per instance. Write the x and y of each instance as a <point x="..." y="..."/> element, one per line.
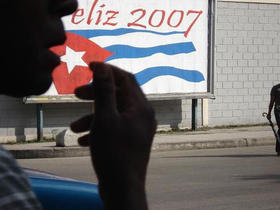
<point x="170" y="84"/>
<point x="139" y="39"/>
<point x="182" y="61"/>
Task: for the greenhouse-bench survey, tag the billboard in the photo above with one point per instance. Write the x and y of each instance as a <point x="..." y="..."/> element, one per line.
<point x="165" y="44"/>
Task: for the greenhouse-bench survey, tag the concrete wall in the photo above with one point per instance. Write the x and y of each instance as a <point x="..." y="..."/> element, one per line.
<point x="247" y="66"/>
<point x="18" y="120"/>
<point x="247" y="61"/>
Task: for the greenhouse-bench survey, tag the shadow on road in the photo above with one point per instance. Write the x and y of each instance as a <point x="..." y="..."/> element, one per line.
<point x="225" y="156"/>
<point x="272" y="177"/>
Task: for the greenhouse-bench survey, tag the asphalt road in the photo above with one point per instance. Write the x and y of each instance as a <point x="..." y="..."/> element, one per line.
<point x="218" y="179"/>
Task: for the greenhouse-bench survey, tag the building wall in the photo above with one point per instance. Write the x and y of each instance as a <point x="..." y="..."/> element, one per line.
<point x="247" y="61"/>
<point x="247" y="66"/>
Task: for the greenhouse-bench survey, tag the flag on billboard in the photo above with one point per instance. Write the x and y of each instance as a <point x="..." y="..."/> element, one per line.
<point x="163" y="61"/>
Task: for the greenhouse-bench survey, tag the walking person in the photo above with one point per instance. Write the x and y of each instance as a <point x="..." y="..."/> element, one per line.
<point x="275" y="101"/>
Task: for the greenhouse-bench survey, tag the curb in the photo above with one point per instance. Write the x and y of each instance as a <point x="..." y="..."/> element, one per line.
<point x="56" y="152"/>
<point x="218" y="144"/>
<point x="59" y="152"/>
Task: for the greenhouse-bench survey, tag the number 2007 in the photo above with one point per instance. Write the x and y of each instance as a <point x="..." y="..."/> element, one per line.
<point x="162" y="15"/>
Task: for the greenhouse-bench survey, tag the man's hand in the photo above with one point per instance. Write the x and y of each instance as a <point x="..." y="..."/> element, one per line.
<point x="121" y="134"/>
<point x="268" y="116"/>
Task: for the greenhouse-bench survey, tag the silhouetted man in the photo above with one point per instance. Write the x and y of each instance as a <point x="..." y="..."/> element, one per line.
<point x="275" y="101"/>
<point x="121" y="132"/>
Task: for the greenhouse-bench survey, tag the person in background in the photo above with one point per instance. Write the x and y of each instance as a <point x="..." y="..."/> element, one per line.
<point x="121" y="131"/>
<point x="275" y="101"/>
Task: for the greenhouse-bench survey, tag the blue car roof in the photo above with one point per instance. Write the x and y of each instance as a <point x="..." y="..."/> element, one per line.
<point x="60" y="193"/>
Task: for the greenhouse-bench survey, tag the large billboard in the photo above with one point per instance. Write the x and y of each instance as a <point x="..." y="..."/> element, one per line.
<point x="165" y="44"/>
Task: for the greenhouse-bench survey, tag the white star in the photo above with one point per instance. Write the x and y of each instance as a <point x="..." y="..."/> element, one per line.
<point x="73" y="58"/>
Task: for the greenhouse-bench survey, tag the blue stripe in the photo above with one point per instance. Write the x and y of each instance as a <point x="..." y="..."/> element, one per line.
<point x="148" y="74"/>
<point x="117" y="32"/>
<point x="125" y="51"/>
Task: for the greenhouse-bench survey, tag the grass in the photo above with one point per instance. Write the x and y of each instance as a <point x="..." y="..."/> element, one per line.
<point x="31" y="141"/>
<point x="173" y="131"/>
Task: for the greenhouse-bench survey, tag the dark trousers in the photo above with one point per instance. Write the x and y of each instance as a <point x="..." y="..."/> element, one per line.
<point x="277" y="117"/>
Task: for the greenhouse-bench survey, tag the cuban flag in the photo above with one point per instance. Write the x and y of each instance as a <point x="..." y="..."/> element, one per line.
<point x="156" y="59"/>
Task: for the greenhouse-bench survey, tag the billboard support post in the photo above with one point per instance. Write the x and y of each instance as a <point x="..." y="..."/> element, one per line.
<point x="194" y="114"/>
<point x="39" y="109"/>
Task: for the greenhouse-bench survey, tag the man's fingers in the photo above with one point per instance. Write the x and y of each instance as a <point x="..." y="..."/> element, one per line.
<point x="83" y="124"/>
<point x="104" y="89"/>
<point x="85" y="92"/>
<point x="268" y="117"/>
<point x="126" y="79"/>
<point x="84" y="141"/>
<point x="115" y="90"/>
<point x="129" y="93"/>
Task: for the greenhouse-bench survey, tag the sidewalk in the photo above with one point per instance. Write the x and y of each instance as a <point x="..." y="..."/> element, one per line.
<point x="213" y="138"/>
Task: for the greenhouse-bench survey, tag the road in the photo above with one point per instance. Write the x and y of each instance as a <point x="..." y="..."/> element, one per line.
<point x="218" y="179"/>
